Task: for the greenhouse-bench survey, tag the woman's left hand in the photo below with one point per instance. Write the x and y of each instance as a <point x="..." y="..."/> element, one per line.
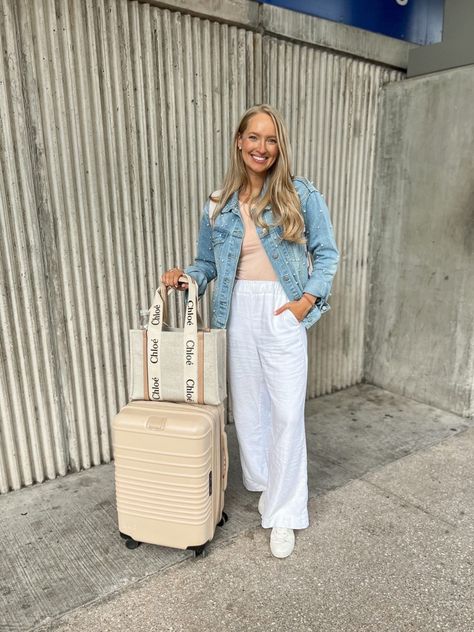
<point x="299" y="308"/>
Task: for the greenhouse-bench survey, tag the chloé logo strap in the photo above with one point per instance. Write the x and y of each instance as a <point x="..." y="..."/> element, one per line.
<point x="192" y="350"/>
<point x="155" y="326"/>
<point x="190" y="340"/>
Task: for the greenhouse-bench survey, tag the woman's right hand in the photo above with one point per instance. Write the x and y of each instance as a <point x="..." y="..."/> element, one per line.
<point x="170" y="279"/>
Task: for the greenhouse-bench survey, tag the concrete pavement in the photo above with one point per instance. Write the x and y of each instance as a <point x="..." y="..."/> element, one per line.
<point x="390" y="546"/>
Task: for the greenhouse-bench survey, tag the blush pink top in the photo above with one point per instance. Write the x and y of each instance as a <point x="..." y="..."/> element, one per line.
<point x="254" y="264"/>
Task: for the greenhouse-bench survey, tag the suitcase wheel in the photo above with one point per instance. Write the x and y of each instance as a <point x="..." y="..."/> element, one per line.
<point x="130" y="543"/>
<point x="198" y="551"/>
<point x="223" y="520"/>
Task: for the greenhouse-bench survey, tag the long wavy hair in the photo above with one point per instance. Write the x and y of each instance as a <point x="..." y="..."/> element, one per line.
<point x="279" y="192"/>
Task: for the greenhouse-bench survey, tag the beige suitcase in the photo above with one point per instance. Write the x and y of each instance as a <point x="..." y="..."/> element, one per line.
<point x="171" y="466"/>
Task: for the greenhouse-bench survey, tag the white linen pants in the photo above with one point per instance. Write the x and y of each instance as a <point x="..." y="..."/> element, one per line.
<point x="268" y="366"/>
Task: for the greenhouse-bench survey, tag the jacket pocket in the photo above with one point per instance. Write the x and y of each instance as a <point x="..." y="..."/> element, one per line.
<point x="219" y="236"/>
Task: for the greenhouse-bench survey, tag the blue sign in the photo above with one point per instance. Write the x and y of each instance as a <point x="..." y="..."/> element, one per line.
<point x="417" y="21"/>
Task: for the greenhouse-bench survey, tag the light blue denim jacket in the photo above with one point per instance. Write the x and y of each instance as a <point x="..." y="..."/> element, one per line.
<point x="220" y="242"/>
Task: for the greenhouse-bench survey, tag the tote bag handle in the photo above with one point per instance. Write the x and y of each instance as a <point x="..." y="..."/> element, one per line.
<point x="189" y="351"/>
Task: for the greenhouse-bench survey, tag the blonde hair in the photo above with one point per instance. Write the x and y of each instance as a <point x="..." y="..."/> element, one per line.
<point x="280" y="192"/>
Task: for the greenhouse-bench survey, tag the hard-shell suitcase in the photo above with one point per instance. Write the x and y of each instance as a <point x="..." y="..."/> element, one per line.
<point x="171" y="466"/>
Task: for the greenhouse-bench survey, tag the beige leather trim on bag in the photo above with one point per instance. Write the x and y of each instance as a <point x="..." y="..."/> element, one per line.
<point x="200" y="367"/>
<point x="145" y="366"/>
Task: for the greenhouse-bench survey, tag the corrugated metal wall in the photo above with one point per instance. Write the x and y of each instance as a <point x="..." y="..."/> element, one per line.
<point x="116" y="119"/>
<point x="330" y="103"/>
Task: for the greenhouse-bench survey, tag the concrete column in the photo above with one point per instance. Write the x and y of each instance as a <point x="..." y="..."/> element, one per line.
<point x="420" y="334"/>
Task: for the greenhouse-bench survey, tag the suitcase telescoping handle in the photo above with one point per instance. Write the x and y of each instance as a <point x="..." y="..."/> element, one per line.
<point x="156" y="423"/>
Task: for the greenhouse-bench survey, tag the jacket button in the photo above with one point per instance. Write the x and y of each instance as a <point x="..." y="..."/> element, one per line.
<point x="286" y="278"/>
<point x="275" y="255"/>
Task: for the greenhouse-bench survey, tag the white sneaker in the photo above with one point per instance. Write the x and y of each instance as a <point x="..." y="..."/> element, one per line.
<point x="261" y="504"/>
<point x="282" y="541"/>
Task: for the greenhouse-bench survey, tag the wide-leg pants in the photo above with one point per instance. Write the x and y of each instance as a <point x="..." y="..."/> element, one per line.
<point x="268" y="366"/>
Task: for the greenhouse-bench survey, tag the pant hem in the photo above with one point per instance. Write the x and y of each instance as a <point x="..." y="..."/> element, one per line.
<point x="249" y="489"/>
<point x="285" y="524"/>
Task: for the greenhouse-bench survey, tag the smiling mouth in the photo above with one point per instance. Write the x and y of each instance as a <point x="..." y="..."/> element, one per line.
<point x="259" y="159"/>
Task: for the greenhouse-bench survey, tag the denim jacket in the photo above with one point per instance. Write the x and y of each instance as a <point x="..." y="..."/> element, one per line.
<point x="220" y="242"/>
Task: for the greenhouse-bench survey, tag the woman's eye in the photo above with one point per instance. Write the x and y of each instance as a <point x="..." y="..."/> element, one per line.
<point x="272" y="141"/>
<point x="252" y="137"/>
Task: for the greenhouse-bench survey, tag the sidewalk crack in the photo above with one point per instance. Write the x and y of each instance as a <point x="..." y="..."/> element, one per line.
<point x="406" y="502"/>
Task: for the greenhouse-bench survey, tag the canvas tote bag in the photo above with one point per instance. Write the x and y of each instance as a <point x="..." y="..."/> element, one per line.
<point x="185" y="364"/>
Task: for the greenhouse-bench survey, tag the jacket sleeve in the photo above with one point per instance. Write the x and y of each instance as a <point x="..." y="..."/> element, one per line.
<point x="204" y="268"/>
<point x="321" y="247"/>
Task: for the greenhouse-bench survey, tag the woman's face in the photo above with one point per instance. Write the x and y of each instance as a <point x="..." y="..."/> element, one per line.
<point x="259" y="144"/>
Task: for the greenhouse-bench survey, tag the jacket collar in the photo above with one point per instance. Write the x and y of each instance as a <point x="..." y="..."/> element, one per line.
<point x="232" y="204"/>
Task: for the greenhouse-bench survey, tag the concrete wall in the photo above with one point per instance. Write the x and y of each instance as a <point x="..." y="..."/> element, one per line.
<point x="115" y="123"/>
<point x="297" y="27"/>
<point x="420" y="335"/>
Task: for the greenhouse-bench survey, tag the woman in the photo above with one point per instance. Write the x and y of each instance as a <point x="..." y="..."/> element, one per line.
<point x="255" y="236"/>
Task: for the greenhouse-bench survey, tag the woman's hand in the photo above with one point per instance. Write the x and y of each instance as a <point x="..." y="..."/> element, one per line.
<point x="170" y="279"/>
<point x="299" y="308"/>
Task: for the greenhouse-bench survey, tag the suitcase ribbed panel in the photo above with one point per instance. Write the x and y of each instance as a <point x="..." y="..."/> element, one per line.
<point x="155" y="484"/>
<point x="168" y="474"/>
